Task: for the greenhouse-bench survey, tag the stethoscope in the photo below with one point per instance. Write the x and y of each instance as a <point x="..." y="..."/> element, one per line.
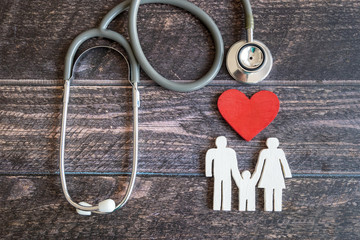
<point x="247" y="61"/>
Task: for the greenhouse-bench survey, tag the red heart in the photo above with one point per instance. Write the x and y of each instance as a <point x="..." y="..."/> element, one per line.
<point x="247" y="116"/>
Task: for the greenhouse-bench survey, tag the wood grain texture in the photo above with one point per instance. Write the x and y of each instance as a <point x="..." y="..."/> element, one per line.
<point x="317" y="128"/>
<point x="315" y="45"/>
<point x="312" y="41"/>
<point x="34" y="207"/>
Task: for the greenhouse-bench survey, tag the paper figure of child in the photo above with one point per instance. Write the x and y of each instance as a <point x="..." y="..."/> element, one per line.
<point x="225" y="167"/>
<point x="247" y="185"/>
<point x="273" y="167"/>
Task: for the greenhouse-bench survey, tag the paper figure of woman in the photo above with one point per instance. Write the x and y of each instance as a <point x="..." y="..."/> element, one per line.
<point x="273" y="167"/>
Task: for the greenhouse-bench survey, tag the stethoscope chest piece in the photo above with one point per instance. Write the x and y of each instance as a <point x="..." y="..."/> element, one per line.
<point x="249" y="62"/>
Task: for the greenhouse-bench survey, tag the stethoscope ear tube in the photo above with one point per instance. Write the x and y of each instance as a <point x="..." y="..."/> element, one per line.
<point x="108" y="205"/>
<point x="101" y="33"/>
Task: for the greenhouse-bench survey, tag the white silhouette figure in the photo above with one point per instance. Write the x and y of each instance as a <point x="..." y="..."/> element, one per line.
<point x="225" y="167"/>
<point x="272" y="163"/>
<point x="246" y="187"/>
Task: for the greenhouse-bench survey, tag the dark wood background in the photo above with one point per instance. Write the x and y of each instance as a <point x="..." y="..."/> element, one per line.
<point x="316" y="75"/>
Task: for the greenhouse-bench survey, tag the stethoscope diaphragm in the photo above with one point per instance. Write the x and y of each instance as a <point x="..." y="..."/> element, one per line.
<point x="249" y="62"/>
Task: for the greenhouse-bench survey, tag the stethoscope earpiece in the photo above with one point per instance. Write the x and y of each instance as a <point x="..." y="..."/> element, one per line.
<point x="106" y="206"/>
<point x="249" y="62"/>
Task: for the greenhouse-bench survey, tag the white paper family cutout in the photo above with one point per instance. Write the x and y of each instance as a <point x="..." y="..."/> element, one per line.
<point x="271" y="168"/>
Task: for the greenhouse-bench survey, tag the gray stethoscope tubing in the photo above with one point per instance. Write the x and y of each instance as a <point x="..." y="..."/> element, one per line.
<point x="137" y="50"/>
<point x="102" y="33"/>
<point x="150" y="71"/>
<point x="132" y="67"/>
<point x="135" y="54"/>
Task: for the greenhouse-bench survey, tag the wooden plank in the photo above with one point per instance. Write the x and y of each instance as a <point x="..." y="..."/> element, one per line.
<point x="318" y="128"/>
<point x="313" y="42"/>
<point x="34" y="207"/>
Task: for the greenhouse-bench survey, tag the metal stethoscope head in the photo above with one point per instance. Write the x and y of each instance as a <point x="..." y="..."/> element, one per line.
<point x="249" y="61"/>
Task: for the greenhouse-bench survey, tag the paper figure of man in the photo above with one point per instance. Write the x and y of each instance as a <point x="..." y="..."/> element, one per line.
<point x="221" y="163"/>
<point x="273" y="167"/>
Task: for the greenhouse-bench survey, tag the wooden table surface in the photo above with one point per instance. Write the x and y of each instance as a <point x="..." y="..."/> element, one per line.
<point x="316" y="75"/>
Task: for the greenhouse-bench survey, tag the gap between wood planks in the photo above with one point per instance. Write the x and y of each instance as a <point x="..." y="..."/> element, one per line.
<point x="147" y="82"/>
<point x="295" y="175"/>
